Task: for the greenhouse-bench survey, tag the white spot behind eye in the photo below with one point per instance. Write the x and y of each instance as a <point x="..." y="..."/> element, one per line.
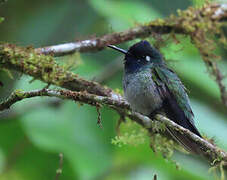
<point x="148" y="58"/>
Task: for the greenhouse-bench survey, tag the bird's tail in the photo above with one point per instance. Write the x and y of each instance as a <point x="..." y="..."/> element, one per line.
<point x="189" y="145"/>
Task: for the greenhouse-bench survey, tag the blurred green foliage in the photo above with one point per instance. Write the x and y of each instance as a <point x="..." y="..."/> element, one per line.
<point x="35" y="131"/>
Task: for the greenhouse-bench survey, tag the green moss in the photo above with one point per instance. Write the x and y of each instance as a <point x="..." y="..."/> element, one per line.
<point x="200" y="25"/>
<point x="158" y="126"/>
<point x="202" y="28"/>
<point x="118" y="91"/>
<point x="1" y="19"/>
<point x="37" y="65"/>
<point x="132" y="138"/>
<point x="19" y="93"/>
<point x="163" y="145"/>
<point x="130" y="134"/>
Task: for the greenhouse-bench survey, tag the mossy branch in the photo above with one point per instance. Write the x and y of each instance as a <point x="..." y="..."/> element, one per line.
<point x="209" y="151"/>
<point x="44" y="68"/>
<point x="202" y="25"/>
<point x="187" y="22"/>
<point x="82" y="97"/>
<point x="40" y="64"/>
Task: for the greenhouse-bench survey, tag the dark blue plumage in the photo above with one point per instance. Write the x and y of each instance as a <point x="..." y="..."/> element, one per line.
<point x="136" y="56"/>
<point x="150" y="87"/>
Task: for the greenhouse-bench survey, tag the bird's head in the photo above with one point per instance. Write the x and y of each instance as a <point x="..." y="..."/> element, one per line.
<point x="139" y="55"/>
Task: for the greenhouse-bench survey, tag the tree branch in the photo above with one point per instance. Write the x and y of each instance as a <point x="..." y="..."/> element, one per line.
<point x="82" y="97"/>
<point x="40" y="64"/>
<point x="198" y="23"/>
<point x="45" y="68"/>
<point x="59" y="170"/>
<point x="212" y="153"/>
<point x="193" y="22"/>
<point x="178" y="25"/>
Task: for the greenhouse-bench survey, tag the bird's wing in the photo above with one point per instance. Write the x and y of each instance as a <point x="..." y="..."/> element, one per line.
<point x="176" y="105"/>
<point x="175" y="98"/>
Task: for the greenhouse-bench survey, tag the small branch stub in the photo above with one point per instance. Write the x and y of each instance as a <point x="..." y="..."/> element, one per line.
<point x="59" y="170"/>
<point x="99" y="121"/>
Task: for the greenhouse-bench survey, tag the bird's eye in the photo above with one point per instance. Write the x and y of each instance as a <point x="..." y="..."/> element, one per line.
<point x="148" y="58"/>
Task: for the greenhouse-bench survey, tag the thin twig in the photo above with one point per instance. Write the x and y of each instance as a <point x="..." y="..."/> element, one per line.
<point x="219" y="77"/>
<point x="99" y="121"/>
<point x="59" y="170"/>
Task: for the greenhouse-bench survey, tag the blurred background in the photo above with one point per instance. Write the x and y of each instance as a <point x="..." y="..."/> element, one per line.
<point x="35" y="131"/>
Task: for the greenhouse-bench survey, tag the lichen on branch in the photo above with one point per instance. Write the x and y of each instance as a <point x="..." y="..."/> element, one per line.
<point x="209" y="151"/>
<point x="201" y="24"/>
<point x="210" y="16"/>
<point x="44" y="68"/>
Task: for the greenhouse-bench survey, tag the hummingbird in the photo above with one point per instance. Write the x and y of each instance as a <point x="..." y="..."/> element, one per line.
<point x="151" y="87"/>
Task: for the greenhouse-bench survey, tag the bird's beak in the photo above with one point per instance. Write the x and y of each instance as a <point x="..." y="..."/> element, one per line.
<point x="118" y="49"/>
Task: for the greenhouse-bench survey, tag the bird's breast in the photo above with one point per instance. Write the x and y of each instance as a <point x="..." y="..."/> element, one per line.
<point x="141" y="92"/>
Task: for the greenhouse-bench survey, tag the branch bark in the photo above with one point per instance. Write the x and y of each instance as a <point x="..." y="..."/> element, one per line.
<point x="177" y="25"/>
<point x="197" y="23"/>
<point x="39" y="63"/>
<point x="44" y="68"/>
<point x="209" y="151"/>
